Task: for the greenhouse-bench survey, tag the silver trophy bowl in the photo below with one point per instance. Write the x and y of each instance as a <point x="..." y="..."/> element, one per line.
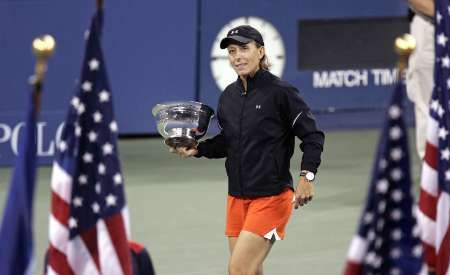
<point x="182" y="124"/>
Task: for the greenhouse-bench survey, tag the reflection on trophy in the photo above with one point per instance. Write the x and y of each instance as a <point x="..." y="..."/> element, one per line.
<point x="182" y="124"/>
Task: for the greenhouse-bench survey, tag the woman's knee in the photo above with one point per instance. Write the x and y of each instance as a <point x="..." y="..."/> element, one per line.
<point x="235" y="268"/>
<point x="259" y="271"/>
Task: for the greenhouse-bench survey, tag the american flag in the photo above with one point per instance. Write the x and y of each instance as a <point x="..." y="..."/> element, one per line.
<point x="434" y="201"/>
<point x="89" y="221"/>
<point x="16" y="232"/>
<point x="387" y="240"/>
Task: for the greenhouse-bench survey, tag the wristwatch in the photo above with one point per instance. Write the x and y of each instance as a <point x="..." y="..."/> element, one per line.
<point x="309" y="176"/>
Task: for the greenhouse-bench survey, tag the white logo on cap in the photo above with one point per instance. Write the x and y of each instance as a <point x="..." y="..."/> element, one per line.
<point x="234" y="31"/>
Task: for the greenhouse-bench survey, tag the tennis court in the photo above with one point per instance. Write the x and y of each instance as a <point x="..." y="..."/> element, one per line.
<point x="177" y="207"/>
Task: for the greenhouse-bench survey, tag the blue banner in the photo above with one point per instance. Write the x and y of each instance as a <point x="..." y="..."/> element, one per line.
<point x="158" y="53"/>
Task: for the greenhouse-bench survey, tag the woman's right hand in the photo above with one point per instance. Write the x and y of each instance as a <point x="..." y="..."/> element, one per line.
<point x="183" y="152"/>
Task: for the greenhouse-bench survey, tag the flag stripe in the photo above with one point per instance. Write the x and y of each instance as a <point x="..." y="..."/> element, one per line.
<point x="357" y="250"/>
<point x="429" y="180"/>
<point x="432" y="129"/>
<point x="430" y="254"/>
<point x="80" y="259"/>
<point x="427" y="204"/>
<point x="428" y="228"/>
<point x="89" y="237"/>
<point x="117" y="232"/>
<point x="58" y="234"/>
<point x="442" y="218"/>
<point x="353" y="268"/>
<point x="61" y="183"/>
<point x="109" y="260"/>
<point x="444" y="254"/>
<point x="126" y="220"/>
<point x="58" y="262"/>
<point x="431" y="155"/>
<point x="50" y="271"/>
<point x="60" y="209"/>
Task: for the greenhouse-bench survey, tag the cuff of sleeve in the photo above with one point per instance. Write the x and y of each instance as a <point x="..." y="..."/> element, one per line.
<point x="199" y="151"/>
<point x="309" y="167"/>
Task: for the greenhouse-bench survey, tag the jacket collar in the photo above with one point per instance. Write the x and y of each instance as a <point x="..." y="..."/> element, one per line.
<point x="254" y="82"/>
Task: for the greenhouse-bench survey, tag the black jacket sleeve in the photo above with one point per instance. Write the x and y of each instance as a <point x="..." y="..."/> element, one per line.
<point x="213" y="148"/>
<point x="302" y="123"/>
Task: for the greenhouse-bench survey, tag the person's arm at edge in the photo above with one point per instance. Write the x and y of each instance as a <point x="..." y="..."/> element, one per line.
<point x="423" y="6"/>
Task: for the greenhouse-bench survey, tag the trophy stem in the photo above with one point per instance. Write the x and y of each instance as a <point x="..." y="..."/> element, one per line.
<point x="183" y="141"/>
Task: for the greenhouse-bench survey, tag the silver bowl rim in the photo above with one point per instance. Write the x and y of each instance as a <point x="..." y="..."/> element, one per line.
<point x="197" y="105"/>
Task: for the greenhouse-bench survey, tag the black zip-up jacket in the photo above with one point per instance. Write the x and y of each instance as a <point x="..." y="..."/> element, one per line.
<point x="257" y="137"/>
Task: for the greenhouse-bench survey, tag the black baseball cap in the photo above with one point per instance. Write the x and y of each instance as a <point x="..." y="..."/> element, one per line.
<point x="242" y="35"/>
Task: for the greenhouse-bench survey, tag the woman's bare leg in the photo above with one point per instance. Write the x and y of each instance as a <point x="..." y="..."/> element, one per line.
<point x="248" y="252"/>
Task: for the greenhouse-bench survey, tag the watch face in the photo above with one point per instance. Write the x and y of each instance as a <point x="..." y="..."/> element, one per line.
<point x="223" y="73"/>
<point x="309" y="176"/>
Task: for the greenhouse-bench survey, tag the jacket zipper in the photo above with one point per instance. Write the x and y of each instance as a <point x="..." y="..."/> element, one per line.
<point x="240" y="149"/>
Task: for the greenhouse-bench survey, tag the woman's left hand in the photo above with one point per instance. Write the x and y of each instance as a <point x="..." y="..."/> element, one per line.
<point x="186" y="152"/>
<point x="304" y="192"/>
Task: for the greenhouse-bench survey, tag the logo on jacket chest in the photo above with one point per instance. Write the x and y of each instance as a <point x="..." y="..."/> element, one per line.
<point x="258" y="106"/>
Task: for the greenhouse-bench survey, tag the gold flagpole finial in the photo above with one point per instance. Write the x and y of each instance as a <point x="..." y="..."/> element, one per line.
<point x="404" y="46"/>
<point x="43" y="47"/>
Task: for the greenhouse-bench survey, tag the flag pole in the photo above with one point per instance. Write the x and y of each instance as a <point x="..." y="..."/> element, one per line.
<point x="404" y="46"/>
<point x="43" y="48"/>
<point x="16" y="228"/>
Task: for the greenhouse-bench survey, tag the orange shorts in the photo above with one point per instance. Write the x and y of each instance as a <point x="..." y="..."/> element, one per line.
<point x="264" y="216"/>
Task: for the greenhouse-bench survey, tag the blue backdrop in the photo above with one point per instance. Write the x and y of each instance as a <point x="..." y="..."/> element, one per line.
<point x="149" y="47"/>
<point x="284" y="15"/>
<point x="153" y="55"/>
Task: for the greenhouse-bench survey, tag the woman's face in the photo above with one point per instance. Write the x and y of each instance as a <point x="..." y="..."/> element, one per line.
<point x="245" y="58"/>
